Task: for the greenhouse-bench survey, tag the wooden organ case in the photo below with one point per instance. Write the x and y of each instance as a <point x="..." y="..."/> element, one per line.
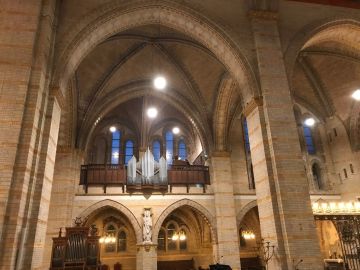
<point x="77" y="249"/>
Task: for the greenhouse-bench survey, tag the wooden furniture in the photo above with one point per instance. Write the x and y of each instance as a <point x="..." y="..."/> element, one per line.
<point x="251" y="263"/>
<point x="117" y="266"/>
<point x="176" y="265"/>
<point x="77" y="250"/>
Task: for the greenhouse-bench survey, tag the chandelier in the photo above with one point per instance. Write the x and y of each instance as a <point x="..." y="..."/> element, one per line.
<point x="107" y="239"/>
<point x="181" y="236"/>
<point x="322" y="207"/>
<point x="248" y="234"/>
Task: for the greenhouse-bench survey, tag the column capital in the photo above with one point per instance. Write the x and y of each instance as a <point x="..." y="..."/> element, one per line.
<point x="263" y="14"/>
<point x="146" y="247"/>
<point x="58" y="96"/>
<point x="254" y="103"/>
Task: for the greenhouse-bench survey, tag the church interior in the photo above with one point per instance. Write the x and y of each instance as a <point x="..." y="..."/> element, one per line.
<point x="180" y="134"/>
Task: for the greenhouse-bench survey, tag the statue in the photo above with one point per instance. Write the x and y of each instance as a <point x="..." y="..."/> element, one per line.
<point x="147" y="226"/>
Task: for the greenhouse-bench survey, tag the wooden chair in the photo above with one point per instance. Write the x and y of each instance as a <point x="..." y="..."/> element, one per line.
<point x="104" y="267"/>
<point x="117" y="266"/>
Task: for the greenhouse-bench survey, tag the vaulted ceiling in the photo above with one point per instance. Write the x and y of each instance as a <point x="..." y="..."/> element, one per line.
<point x="327" y="73"/>
<point x="127" y="63"/>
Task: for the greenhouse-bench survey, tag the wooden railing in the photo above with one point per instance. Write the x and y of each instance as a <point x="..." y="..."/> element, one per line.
<point x="115" y="175"/>
<point x="179" y="175"/>
<point x="103" y="175"/>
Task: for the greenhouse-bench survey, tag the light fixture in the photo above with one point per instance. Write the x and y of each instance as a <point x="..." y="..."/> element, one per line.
<point x="116" y="155"/>
<point x="152" y="112"/>
<point x="324" y="207"/>
<point x="112" y="129"/>
<point x="248" y="234"/>
<point x="309" y="121"/>
<point x="176" y="130"/>
<point x="356" y="95"/>
<point x="175" y="237"/>
<point x="181" y="236"/>
<point x="107" y="239"/>
<point x="160" y="82"/>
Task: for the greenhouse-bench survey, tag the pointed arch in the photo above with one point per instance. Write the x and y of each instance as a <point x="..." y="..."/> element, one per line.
<point x="224" y="108"/>
<point x="210" y="219"/>
<point x="240" y="216"/>
<point x="99" y="206"/>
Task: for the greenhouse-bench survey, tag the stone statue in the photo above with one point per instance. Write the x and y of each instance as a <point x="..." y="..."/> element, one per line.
<point x="147" y="226"/>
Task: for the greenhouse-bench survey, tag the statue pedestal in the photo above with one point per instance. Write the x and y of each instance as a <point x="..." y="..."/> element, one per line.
<point x="146" y="257"/>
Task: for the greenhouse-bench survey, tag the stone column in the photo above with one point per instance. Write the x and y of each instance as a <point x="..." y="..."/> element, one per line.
<point x="27" y="121"/>
<point x="146" y="257"/>
<point x="227" y="232"/>
<point x="18" y="35"/>
<point x="65" y="184"/>
<point x="36" y="221"/>
<point x="281" y="187"/>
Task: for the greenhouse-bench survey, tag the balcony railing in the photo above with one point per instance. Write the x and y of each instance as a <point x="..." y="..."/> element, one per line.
<point x="115" y="175"/>
<point x="103" y="175"/>
<point x="179" y="175"/>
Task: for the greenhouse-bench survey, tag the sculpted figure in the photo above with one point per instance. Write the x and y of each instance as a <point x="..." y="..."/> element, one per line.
<point x="147" y="227"/>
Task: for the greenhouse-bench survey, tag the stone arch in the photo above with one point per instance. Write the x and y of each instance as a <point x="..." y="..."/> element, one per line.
<point x="310" y="31"/>
<point x="223" y="112"/>
<point x="138" y="89"/>
<point x="240" y="216"/>
<point x="190" y="203"/>
<point x="116" y="18"/>
<point x="323" y="183"/>
<point x="97" y="207"/>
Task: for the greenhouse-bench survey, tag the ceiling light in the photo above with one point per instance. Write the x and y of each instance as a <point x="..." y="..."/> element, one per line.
<point x="176" y="130"/>
<point x="152" y="112"/>
<point x="160" y="82"/>
<point x="356" y="95"/>
<point x="310" y="122"/>
<point x="112" y="129"/>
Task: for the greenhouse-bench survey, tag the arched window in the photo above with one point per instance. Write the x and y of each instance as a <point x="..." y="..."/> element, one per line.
<point x="161" y="240"/>
<point x="309" y="140"/>
<point x="172" y="237"/>
<point x="246" y="136"/>
<point x="182" y="150"/>
<point x="251" y="179"/>
<point x="115" y="147"/>
<point x="121" y="241"/>
<point x="110" y="231"/>
<point x="171" y="244"/>
<point x="183" y="242"/>
<point x="156" y="150"/>
<point x="169" y="138"/>
<point x="129" y="150"/>
<point x="316" y="172"/>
